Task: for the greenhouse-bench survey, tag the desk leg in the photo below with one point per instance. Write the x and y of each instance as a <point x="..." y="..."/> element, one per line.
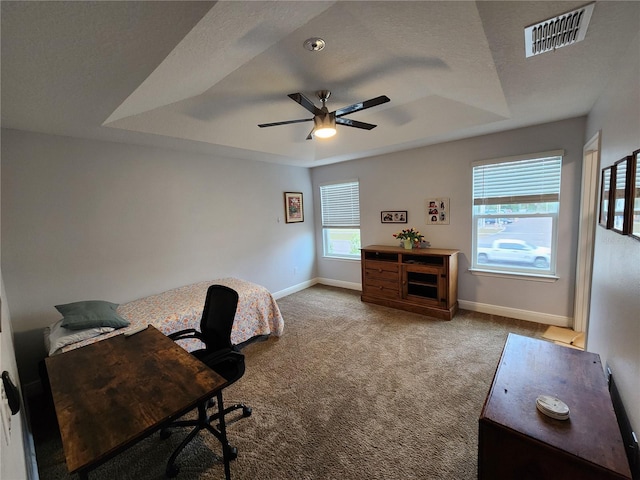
<point x="223" y="433"/>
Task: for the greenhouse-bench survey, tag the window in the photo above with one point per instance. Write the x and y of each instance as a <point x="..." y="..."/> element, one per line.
<point x="515" y="213"/>
<point x="340" y="205"/>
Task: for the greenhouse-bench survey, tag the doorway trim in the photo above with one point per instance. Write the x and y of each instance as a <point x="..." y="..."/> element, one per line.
<point x="586" y="232"/>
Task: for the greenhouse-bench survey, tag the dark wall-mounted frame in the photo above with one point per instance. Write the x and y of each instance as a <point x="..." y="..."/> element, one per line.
<point x="634" y="196"/>
<point x="606" y="181"/>
<point x="393" y="216"/>
<point x="621" y="196"/>
<point x="293" y="207"/>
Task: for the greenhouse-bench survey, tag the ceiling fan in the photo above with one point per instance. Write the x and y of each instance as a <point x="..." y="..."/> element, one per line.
<point x="325" y="121"/>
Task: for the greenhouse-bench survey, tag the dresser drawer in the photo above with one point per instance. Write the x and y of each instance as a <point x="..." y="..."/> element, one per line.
<point x="381" y="270"/>
<point x="382" y="287"/>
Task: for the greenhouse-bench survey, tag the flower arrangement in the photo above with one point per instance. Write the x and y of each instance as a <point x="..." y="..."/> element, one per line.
<point x="409" y="234"/>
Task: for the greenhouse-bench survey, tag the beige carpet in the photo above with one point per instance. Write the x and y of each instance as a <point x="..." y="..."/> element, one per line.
<point x="350" y="391"/>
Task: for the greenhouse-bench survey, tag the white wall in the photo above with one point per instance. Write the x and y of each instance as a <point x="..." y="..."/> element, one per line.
<point x="614" y="321"/>
<point x="403" y="181"/>
<point x="86" y="219"/>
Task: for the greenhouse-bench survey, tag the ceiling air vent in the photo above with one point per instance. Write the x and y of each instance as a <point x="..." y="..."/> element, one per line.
<point x="557" y="32"/>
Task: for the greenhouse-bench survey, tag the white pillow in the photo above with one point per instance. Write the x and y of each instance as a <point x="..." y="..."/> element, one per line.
<point x="59" y="336"/>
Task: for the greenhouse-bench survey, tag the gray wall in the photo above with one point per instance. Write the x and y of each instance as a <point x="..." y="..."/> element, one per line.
<point x="84" y="219"/>
<point x="403" y="181"/>
<point x="614" y="321"/>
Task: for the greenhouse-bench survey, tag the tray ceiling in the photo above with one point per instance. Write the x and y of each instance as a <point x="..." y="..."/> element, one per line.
<point x="202" y="75"/>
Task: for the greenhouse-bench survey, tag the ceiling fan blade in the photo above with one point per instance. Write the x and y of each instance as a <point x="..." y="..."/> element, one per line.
<point x="310" y="136"/>
<point x="354" y="123"/>
<point x="305" y="102"/>
<point x="356" y="107"/>
<point x="262" y="125"/>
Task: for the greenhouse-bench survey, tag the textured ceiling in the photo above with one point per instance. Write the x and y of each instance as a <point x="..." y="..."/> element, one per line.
<point x="202" y="75"/>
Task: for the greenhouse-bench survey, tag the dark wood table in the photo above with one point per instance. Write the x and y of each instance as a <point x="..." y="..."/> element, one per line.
<point x="517" y="441"/>
<point x="113" y="393"/>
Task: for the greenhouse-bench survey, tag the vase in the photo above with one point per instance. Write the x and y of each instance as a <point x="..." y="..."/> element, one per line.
<point x="408" y="243"/>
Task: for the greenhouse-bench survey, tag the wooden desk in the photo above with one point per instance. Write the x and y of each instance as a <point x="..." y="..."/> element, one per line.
<point x="115" y="392"/>
<point x="516" y="441"/>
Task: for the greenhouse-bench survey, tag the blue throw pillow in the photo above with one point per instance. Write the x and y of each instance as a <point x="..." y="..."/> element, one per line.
<point x="91" y="314"/>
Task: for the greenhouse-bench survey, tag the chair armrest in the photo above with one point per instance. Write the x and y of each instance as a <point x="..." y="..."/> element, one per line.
<point x="188" y="333"/>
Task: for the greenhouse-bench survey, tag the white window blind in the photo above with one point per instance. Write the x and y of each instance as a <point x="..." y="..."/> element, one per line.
<point x="518" y="181"/>
<point x="340" y="205"/>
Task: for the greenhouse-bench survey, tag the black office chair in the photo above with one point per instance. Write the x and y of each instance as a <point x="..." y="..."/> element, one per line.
<point x="223" y="357"/>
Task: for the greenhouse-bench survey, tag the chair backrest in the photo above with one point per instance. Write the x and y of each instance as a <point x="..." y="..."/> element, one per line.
<point x="217" y="317"/>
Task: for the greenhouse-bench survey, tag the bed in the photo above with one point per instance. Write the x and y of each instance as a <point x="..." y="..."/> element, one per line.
<point x="178" y="309"/>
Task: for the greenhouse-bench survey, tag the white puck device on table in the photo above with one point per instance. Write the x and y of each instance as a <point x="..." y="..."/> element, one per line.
<point x="552" y="407"/>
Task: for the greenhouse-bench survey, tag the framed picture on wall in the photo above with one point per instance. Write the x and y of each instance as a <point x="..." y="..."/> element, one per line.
<point x="605" y="197"/>
<point x="620" y="196"/>
<point x="393" y="216"/>
<point x="634" y="196"/>
<point x="293" y="207"/>
<point x="437" y="211"/>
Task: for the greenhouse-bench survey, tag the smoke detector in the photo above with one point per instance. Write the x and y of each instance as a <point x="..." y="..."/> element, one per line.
<point x="557" y="32"/>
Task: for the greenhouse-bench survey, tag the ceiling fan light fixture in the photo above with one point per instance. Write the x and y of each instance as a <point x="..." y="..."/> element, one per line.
<point x="324" y="121"/>
<point x="325" y="125"/>
<point x="326" y="132"/>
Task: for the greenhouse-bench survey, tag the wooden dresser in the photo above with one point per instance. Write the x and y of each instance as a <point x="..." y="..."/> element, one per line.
<point x="516" y="441"/>
<point x="420" y="280"/>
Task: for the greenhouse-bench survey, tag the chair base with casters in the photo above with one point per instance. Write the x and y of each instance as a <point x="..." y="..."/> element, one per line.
<point x="204" y="422"/>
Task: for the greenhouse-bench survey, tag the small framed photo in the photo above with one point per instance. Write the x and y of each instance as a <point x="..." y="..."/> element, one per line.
<point x="437" y="211"/>
<point x="634" y="196"/>
<point x="621" y="197"/>
<point x="393" y="216"/>
<point x="293" y="207"/>
<point x="608" y="176"/>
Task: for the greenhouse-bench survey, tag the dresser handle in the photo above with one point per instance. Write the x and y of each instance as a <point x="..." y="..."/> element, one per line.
<point x="379" y="270"/>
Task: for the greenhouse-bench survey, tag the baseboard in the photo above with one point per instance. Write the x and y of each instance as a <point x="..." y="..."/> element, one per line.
<point x="295" y="288"/>
<point x="544" y="318"/>
<point x="340" y="283"/>
<point x="314" y="281"/>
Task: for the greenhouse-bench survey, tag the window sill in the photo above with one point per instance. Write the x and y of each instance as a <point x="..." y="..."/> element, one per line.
<point x="534" y="277"/>
<point x="349" y="259"/>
